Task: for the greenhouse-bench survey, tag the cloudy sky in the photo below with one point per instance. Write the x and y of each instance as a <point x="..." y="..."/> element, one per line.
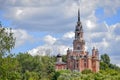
<point x="47" y="26"/>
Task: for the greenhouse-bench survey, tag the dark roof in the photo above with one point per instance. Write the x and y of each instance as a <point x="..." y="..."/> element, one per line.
<point x="59" y="55"/>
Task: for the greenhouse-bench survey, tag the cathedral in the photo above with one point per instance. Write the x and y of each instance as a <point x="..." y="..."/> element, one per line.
<point x="79" y="59"/>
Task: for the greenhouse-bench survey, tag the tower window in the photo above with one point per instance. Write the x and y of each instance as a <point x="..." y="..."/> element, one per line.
<point x="78" y="48"/>
<point x="78" y="34"/>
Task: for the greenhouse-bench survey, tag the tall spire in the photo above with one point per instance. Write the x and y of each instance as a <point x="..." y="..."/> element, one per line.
<point x="78" y="14"/>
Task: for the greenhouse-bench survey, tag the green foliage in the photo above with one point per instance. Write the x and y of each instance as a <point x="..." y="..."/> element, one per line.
<point x="112" y="66"/>
<point x="64" y="58"/>
<point x="105" y="63"/>
<point x="31" y="76"/>
<point x="56" y="75"/>
<point x="26" y="61"/>
<point x="86" y="71"/>
<point x="26" y="67"/>
<point x="103" y="66"/>
<point x="64" y="71"/>
<point x="7" y="41"/>
<point x="105" y="58"/>
<point x="42" y="65"/>
<point x="102" y="75"/>
<point x="9" y="68"/>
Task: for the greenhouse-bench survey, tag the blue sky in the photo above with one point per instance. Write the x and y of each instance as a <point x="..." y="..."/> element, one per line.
<point x="47" y="26"/>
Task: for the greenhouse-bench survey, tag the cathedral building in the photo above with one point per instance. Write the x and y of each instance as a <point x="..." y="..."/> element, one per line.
<point x="79" y="59"/>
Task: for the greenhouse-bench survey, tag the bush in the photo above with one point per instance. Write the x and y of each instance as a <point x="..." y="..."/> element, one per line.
<point x="86" y="71"/>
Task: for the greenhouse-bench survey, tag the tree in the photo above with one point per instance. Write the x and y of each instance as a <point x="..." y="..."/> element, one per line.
<point x="47" y="67"/>
<point x="105" y="63"/>
<point x="7" y="41"/>
<point x="31" y="76"/>
<point x="103" y="66"/>
<point x="56" y="75"/>
<point x="105" y="58"/>
<point x="26" y="61"/>
<point x="10" y="68"/>
<point x="64" y="57"/>
<point x="42" y="66"/>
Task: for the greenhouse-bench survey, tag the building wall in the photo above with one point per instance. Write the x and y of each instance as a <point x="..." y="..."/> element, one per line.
<point x="89" y="63"/>
<point x="82" y="63"/>
<point x="60" y="66"/>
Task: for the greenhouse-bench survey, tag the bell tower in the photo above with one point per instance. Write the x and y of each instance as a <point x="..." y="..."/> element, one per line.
<point x="79" y="43"/>
<point x="79" y="59"/>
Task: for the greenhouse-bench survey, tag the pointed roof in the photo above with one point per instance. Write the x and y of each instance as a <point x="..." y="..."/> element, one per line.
<point x="79" y="24"/>
<point x="78" y="14"/>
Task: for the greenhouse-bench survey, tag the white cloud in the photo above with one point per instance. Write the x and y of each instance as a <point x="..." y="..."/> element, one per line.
<point x="49" y="50"/>
<point x="21" y="37"/>
<point x="52" y="46"/>
<point x="70" y="35"/>
<point x="118" y="65"/>
<point x="19" y="12"/>
<point x="90" y="25"/>
<point x="41" y="50"/>
<point x="109" y="42"/>
<point x="49" y="39"/>
<point x="34" y="14"/>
